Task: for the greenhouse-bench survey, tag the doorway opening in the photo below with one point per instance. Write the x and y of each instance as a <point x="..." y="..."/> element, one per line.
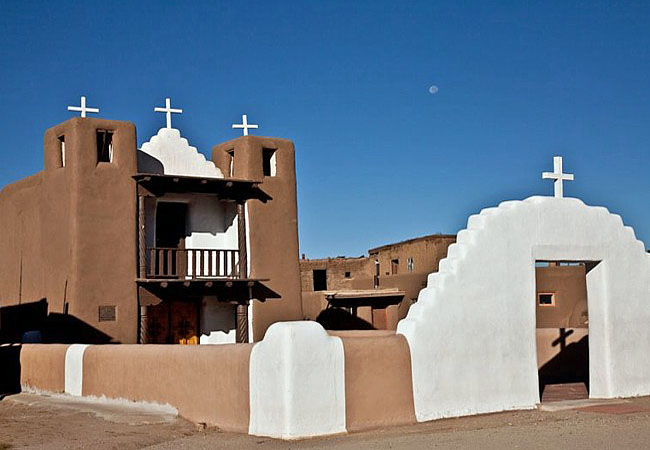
<point x="562" y="329"/>
<point x="171" y="230"/>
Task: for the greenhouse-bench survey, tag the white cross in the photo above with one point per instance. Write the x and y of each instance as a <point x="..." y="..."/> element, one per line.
<point x="83" y="108"/>
<point x="168" y="111"/>
<point x="244" y="125"/>
<point x="558" y="176"/>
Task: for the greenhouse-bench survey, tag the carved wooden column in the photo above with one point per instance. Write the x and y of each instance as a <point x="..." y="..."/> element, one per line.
<point x="242" y="307"/>
<point x="242" y="323"/>
<point x="142" y="245"/>
<point x="144" y="324"/>
<point x="241" y="240"/>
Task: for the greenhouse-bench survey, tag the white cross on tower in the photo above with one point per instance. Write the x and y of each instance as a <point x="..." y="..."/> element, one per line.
<point x="168" y="111"/>
<point x="83" y="108"/>
<point x="558" y="176"/>
<point x="244" y="125"/>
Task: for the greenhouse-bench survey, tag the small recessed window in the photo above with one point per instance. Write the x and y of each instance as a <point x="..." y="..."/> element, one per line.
<point x="348" y="274"/>
<point x="394" y="266"/>
<point x="231" y="163"/>
<point x="62" y="150"/>
<point x="268" y="162"/>
<point x="410" y="264"/>
<point x="546" y="299"/>
<point x="104" y="146"/>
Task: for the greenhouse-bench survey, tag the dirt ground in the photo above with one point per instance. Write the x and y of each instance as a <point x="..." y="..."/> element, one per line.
<point x="37" y="422"/>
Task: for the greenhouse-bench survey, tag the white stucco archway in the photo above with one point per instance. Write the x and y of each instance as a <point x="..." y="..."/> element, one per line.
<point x="472" y="331"/>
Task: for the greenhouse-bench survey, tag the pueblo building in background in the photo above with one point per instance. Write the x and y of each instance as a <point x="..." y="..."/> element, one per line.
<point x="111" y="243"/>
<point x="377" y="291"/>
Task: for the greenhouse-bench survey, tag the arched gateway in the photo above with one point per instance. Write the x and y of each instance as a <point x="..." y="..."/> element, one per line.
<point x="472" y="332"/>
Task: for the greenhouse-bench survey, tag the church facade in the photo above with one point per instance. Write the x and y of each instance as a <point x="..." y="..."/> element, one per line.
<point x="151" y="245"/>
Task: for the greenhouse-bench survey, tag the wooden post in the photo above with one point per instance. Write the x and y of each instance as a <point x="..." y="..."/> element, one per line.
<point x="242" y="323"/>
<point x="241" y="240"/>
<point x="142" y="246"/>
<point x="144" y="324"/>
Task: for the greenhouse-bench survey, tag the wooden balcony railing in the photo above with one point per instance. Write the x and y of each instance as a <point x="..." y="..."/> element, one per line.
<point x="192" y="263"/>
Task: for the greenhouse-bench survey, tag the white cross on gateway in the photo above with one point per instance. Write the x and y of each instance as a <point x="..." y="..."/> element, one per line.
<point x="558" y="176"/>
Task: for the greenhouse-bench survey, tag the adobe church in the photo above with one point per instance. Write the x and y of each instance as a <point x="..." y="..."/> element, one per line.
<point x="151" y="245"/>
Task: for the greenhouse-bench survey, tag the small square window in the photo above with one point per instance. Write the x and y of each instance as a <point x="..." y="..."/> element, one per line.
<point x="410" y="264"/>
<point x="546" y="299"/>
<point x="348" y="274"/>
<point x="268" y="162"/>
<point x="394" y="266"/>
<point x="104" y="146"/>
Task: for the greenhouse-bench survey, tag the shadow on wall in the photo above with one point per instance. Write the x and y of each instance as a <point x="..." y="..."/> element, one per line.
<point x="340" y="319"/>
<point x="10" y="370"/>
<point x="571" y="365"/>
<point x="30" y="322"/>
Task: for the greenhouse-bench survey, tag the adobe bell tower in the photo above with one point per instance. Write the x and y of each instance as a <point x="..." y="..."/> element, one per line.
<point x="272" y="232"/>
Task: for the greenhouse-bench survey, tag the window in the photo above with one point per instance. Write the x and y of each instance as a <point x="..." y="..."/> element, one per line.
<point x="546" y="299"/>
<point x="320" y="280"/>
<point x="104" y="146"/>
<point x="231" y="163"/>
<point x="268" y="162"/>
<point x="348" y="274"/>
<point x="410" y="264"/>
<point x="394" y="266"/>
<point x="62" y="150"/>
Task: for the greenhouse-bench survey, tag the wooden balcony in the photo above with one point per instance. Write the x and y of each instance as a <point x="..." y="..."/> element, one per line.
<point x="192" y="264"/>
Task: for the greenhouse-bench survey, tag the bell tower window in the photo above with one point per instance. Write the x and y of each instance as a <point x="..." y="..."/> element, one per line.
<point x="104" y="146"/>
<point x="268" y="162"/>
<point x="62" y="150"/>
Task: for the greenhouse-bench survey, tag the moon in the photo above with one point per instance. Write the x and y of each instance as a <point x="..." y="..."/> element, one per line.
<point x="433" y="89"/>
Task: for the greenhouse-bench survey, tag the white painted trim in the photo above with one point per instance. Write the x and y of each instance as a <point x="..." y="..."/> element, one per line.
<point x="248" y="271"/>
<point x="297" y="382"/>
<point x="74" y="360"/>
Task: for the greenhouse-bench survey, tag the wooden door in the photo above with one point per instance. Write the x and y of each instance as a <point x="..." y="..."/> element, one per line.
<point x="184" y="323"/>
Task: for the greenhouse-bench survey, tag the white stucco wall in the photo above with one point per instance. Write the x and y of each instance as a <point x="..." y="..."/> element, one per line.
<point x="297" y="382"/>
<point x="472" y="331"/>
<point x="217" y="322"/>
<point x="170" y="154"/>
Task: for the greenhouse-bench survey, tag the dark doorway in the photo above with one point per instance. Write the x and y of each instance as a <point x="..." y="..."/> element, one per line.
<point x="171" y="218"/>
<point x="320" y="279"/>
<point x="170" y="224"/>
<point x="562" y="330"/>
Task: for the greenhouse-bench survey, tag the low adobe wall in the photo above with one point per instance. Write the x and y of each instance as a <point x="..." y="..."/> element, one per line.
<point x="204" y="383"/>
<point x="43" y="366"/>
<point x="298" y="382"/>
<point x="378" y="386"/>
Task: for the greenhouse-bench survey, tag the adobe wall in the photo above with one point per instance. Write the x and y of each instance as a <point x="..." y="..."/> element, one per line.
<point x="569" y="285"/>
<point x="298" y="382"/>
<point x="204" y="383"/>
<point x="272" y="227"/>
<point x="426" y="252"/>
<point x="43" y="366"/>
<point x="378" y="388"/>
<point x="359" y="268"/>
<point x="56" y="225"/>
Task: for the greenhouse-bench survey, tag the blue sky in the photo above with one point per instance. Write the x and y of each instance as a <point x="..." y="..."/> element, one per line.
<point x="379" y="158"/>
